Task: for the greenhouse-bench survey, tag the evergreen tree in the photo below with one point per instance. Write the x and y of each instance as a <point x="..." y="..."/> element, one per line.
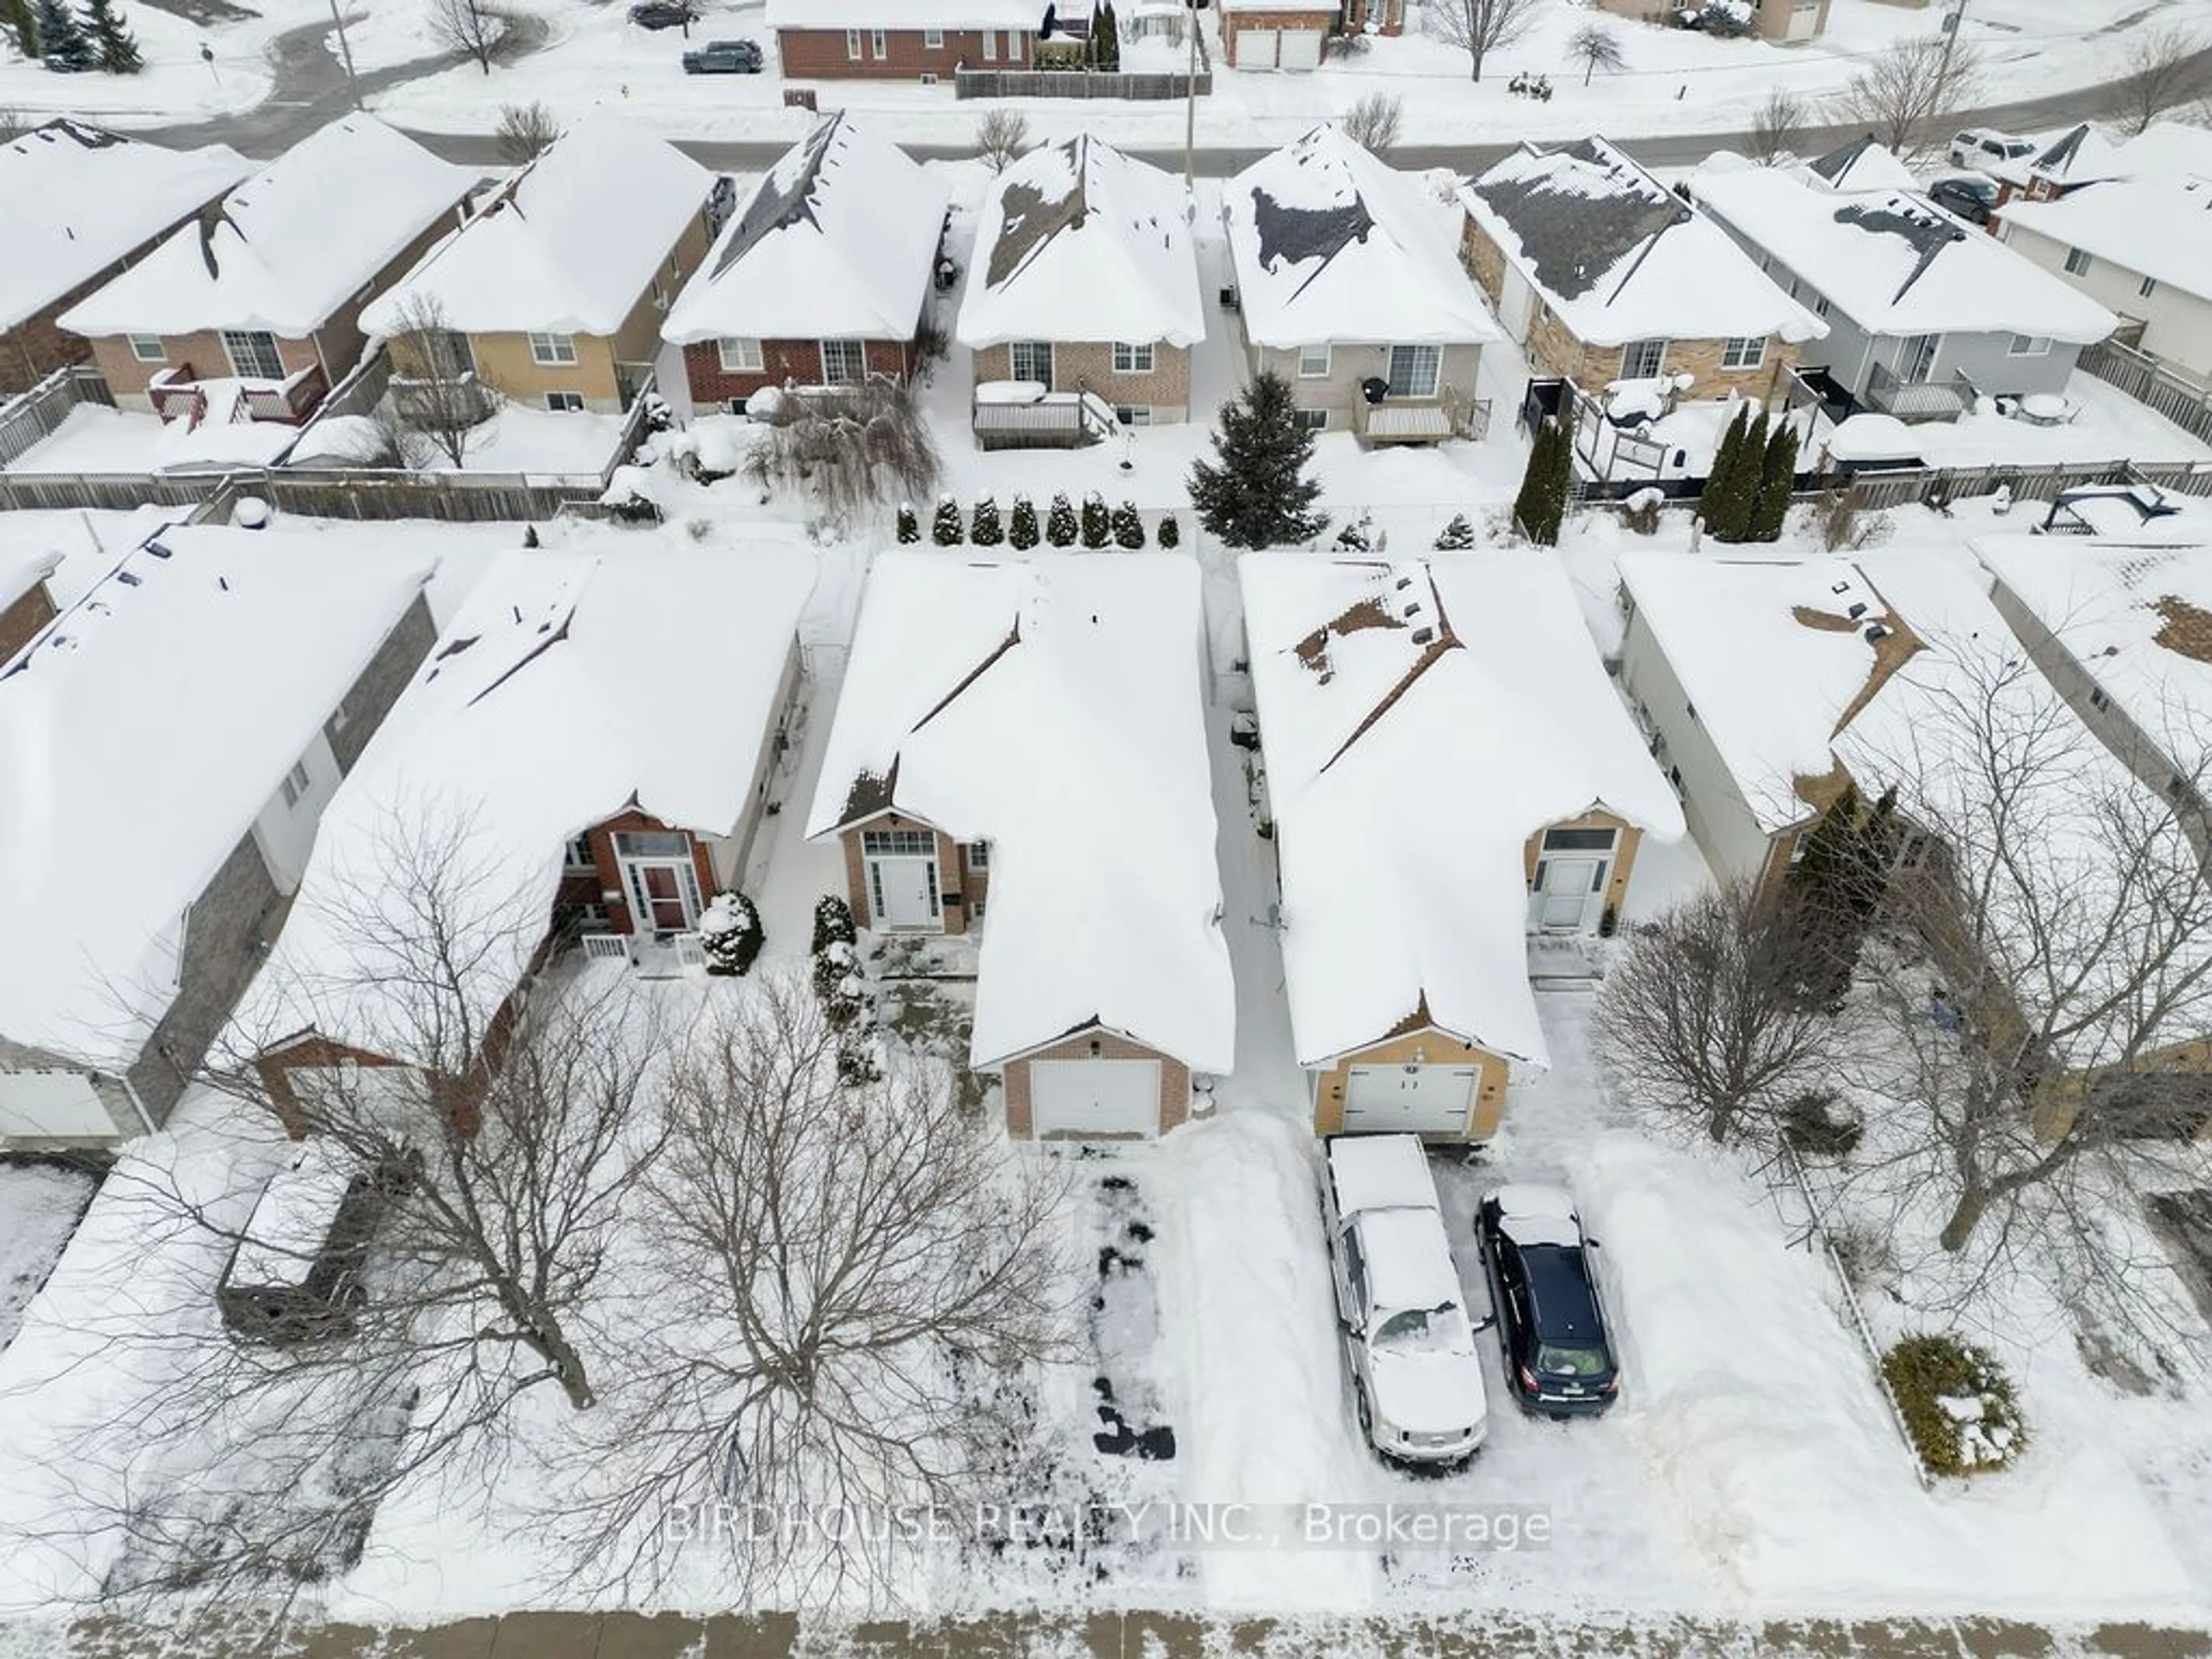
<point x="1059" y="522"/>
<point x="112" y="46"/>
<point x="1259" y="495"/>
<point x="62" y="42"/>
<point x="1105" y="40"/>
<point x="1098" y="523"/>
<point x="946" y="532"/>
<point x="909" y="524"/>
<point x="17" y="23"/>
<point x="1128" y="527"/>
<point x="1835" y="888"/>
<point x="1021" y="525"/>
<point x="1741" y="499"/>
<point x="1528" y="504"/>
<point x="1171" y="533"/>
<point x="1542" y="507"/>
<point x="1719" y="480"/>
<point x="984" y="529"/>
<point x="1778" y="478"/>
<point x="1455" y="536"/>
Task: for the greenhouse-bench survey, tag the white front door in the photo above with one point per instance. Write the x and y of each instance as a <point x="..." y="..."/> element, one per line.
<point x="1915" y="359"/>
<point x="1513" y="304"/>
<point x="663" y="895"/>
<point x="1300" y="49"/>
<point x="903" y="892"/>
<point x="1410" y="1099"/>
<point x="1095" y="1098"/>
<point x="1560" y="901"/>
<point x="1256" y="48"/>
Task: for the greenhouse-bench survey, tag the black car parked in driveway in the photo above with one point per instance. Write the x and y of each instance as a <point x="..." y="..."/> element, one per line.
<point x="724" y="58"/>
<point x="1558" y="1357"/>
<point x="1971" y="196"/>
<point x="663" y="14"/>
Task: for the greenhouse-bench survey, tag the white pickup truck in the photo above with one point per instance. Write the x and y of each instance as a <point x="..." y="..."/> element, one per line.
<point x="1416" y="1380"/>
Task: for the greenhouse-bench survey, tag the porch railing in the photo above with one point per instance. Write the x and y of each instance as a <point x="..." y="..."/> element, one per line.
<point x="1919" y="400"/>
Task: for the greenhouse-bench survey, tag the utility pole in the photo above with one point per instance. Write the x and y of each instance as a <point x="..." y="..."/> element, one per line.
<point x="1952" y="19"/>
<point x="1190" y="104"/>
<point x="345" y="51"/>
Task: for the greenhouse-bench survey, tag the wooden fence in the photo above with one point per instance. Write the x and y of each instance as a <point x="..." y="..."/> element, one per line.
<point x="2153" y="385"/>
<point x="1938" y="484"/>
<point x="1078" y="83"/>
<point x="28" y="420"/>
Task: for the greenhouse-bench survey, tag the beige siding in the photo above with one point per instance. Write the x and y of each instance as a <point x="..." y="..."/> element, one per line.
<point x="1088" y="366"/>
<point x="1427" y="1047"/>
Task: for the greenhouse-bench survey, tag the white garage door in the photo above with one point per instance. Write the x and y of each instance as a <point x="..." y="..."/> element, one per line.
<point x="1095" y="1097"/>
<point x="1256" y="48"/>
<point x="1301" y="49"/>
<point x="1420" y="1099"/>
<point x="52" y="1104"/>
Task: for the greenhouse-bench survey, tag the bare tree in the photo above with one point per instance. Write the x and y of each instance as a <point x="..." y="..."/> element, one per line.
<point x="1909" y="93"/>
<point x="1703" y="1018"/>
<point x="1374" y="124"/>
<point x="1777" y="126"/>
<point x="469" y="27"/>
<point x="13" y="124"/>
<point x="860" y="1269"/>
<point x="1479" y="27"/>
<point x="2055" y="918"/>
<point x="526" y="131"/>
<point x="851" y="447"/>
<point x="1001" y="137"/>
<point x="439" y="403"/>
<point x="1592" y="46"/>
<point x="2164" y="69"/>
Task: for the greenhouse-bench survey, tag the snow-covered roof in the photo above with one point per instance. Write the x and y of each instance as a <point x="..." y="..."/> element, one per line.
<point x="1051" y="705"/>
<point x="1895" y="265"/>
<point x="77" y="199"/>
<point x="1078" y="242"/>
<point x="2167" y="149"/>
<point x="1331" y="245"/>
<point x="2158" y="226"/>
<point x="1863" y="164"/>
<point x="1618" y="257"/>
<point x="839" y="240"/>
<point x="2071" y="155"/>
<point x="1024" y="15"/>
<point x="567" y="247"/>
<point x="551" y="703"/>
<point x="139" y="736"/>
<point x="1380" y="1172"/>
<point x="2137" y="618"/>
<point x="289" y="247"/>
<point x="1421" y="719"/>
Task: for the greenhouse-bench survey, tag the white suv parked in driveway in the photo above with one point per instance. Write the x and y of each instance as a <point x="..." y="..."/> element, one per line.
<point x="1981" y="146"/>
<point x="1415" y="1377"/>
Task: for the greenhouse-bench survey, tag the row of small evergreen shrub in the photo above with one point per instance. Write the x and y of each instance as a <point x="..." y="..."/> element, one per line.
<point x="1097" y="525"/>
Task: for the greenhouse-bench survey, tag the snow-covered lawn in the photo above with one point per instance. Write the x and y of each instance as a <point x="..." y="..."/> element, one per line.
<point x="518" y="438"/>
<point x="39" y="1203"/>
<point x="95" y="438"/>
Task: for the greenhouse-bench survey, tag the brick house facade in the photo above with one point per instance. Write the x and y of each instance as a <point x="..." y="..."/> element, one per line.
<point x="782" y="363"/>
<point x="38" y="345"/>
<point x="925" y="55"/>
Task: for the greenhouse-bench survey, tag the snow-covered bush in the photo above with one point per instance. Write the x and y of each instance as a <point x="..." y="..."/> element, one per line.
<point x="730" y="934"/>
<point x="1357" y="536"/>
<point x="1959" y="1405"/>
<point x="909" y="524"/>
<point x="837" y="983"/>
<point x="1128" y="528"/>
<point x="1170" y="534"/>
<point x="1022" y="533"/>
<point x="946" y="530"/>
<point x="1059" y="522"/>
<point x="1640" y="512"/>
<point x="985" y="528"/>
<point x="1729" y="19"/>
<point x="832" y="924"/>
<point x="1097" y="522"/>
<point x="1456" y="536"/>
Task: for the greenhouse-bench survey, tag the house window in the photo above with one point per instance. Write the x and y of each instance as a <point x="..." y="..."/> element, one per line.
<point x="1745" y="352"/>
<point x="2098" y="700"/>
<point x="1414" y="370"/>
<point x="296" y="783"/>
<point x="565" y="403"/>
<point x="553" y="350"/>
<point x="739" y="356"/>
<point x="875" y="44"/>
<point x="252" y="354"/>
<point x="990" y="46"/>
<point x="1134" y="414"/>
<point x="1314" y="420"/>
<point x="1313" y="362"/>
<point x="1579" y="841"/>
<point x="933" y="40"/>
<point x="1030" y="360"/>
<point x="2077" y="263"/>
<point x="1131" y="359"/>
<point x="853" y="44"/>
<point x="149" y="348"/>
<point x="2028" y="345"/>
<point x="898" y="843"/>
<point x="1642" y="360"/>
<point x="652" y="844"/>
<point x="341" y="717"/>
<point x="578" y="854"/>
<point x="844" y="362"/>
<point x="1820" y="305"/>
<point x="2148" y="287"/>
<point x="979" y="855"/>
